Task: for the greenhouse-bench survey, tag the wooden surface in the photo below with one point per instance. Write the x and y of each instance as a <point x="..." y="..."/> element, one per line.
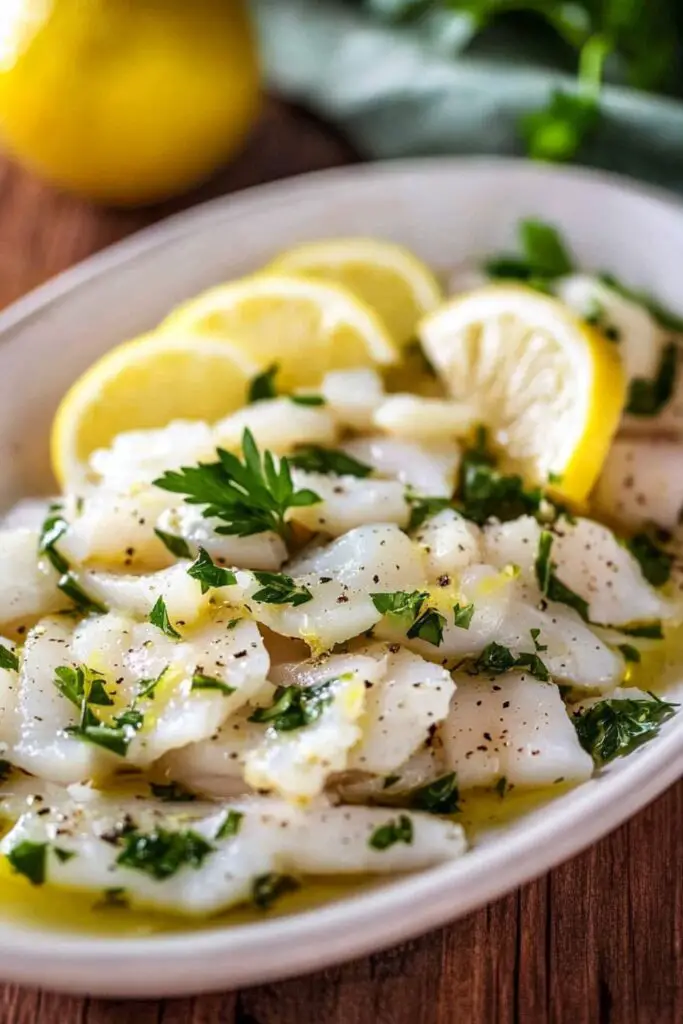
<point x="598" y="940"/>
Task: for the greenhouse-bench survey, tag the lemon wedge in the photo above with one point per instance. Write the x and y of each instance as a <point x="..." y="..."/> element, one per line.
<point x="549" y="387"/>
<point x="388" y="277"/>
<point x="306" y="327"/>
<point x="145" y="383"/>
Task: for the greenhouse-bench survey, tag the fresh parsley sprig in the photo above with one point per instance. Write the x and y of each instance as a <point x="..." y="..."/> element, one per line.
<point x="614" y="727"/>
<point x="249" y="496"/>
<point x="210" y="575"/>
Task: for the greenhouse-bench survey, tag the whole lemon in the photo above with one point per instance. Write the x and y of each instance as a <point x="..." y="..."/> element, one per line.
<point x="126" y="101"/>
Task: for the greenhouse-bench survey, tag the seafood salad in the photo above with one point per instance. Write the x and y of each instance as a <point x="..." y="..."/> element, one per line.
<point x="335" y="556"/>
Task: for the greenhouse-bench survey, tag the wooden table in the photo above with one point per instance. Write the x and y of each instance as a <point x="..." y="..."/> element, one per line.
<point x="598" y="940"/>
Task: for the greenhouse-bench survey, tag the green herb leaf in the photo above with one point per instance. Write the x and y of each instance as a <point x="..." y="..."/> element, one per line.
<point x="429" y="627"/>
<point x="462" y="615"/>
<point x="485" y="493"/>
<point x="544" y="258"/>
<point x="438" y="797"/>
<point x="496" y="659"/>
<point x="113" y="738"/>
<point x="424" y="508"/>
<point x="69" y="585"/>
<point x="269" y="888"/>
<point x="171" y="792"/>
<point x="557" y="131"/>
<point x="401" y="604"/>
<point x="147" y="687"/>
<point x="63" y="855"/>
<point x="209" y="575"/>
<point x="8" y="659"/>
<point x="277" y="588"/>
<point x="231" y="825"/>
<point x="648" y="397"/>
<point x="535" y="633"/>
<point x="5" y="770"/>
<point x="501" y="787"/>
<point x="249" y="497"/>
<point x="630" y="652"/>
<point x="263" y="385"/>
<point x="178" y="546"/>
<point x="655" y="563"/>
<point x="390" y="780"/>
<point x="552" y="587"/>
<point x="29" y="859"/>
<point x="394" y="831"/>
<point x="315" y="459"/>
<point x="54" y="527"/>
<point x="534" y="665"/>
<point x="543" y="566"/>
<point x="311" y="400"/>
<point x="614" y="727"/>
<point x="159" y="617"/>
<point x="160" y="853"/>
<point x="648" y="630"/>
<point x="295" y="706"/>
<point x="202" y="682"/>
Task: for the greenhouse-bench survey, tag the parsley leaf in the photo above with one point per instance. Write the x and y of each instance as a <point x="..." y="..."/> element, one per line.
<point x="29" y="859"/>
<point x="648" y="397"/>
<point x="159" y="617"/>
<point x="425" y="624"/>
<point x="209" y="575"/>
<point x="250" y="496"/>
<point x="552" y="587"/>
<point x="438" y="797"/>
<point x="8" y="659"/>
<point x="263" y="385"/>
<point x="202" y="682"/>
<point x="266" y="889"/>
<point x="69" y="585"/>
<point x="315" y="459"/>
<point x="462" y="615"/>
<point x="535" y="666"/>
<point x="485" y="493"/>
<point x="428" y="626"/>
<point x="5" y="770"/>
<point x="54" y="527"/>
<point x="392" y="832"/>
<point x="545" y="255"/>
<point x="277" y="588"/>
<point x="648" y="630"/>
<point x="424" y="508"/>
<point x="311" y="400"/>
<point x="230" y="825"/>
<point x="294" y="707"/>
<point x="178" y="546"/>
<point x="655" y="563"/>
<point x="630" y="652"/>
<point x="496" y="659"/>
<point x="171" y="792"/>
<point x="614" y="727"/>
<point x="160" y="853"/>
<point x="82" y="686"/>
<point x="535" y="633"/>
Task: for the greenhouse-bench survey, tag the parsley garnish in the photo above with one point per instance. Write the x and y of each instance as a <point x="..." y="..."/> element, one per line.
<point x="263" y="385"/>
<point x="147" y="687"/>
<point x="552" y="587"/>
<point x="230" y="825"/>
<point x="84" y="688"/>
<point x="209" y="575"/>
<point x="423" y="623"/>
<point x="428" y="626"/>
<point x="462" y="615"/>
<point x="159" y="617"/>
<point x="8" y="659"/>
<point x="392" y="832"/>
<point x="630" y="652"/>
<point x="277" y="588"/>
<point x="648" y="630"/>
<point x="29" y="859"/>
<point x="614" y="727"/>
<point x="5" y="770"/>
<point x="63" y="855"/>
<point x="484" y="493"/>
<point x="249" y="497"/>
<point x="544" y="258"/>
<point x="308" y="400"/>
<point x="535" y="666"/>
<point x="202" y="682"/>
<point x="171" y="792"/>
<point x="266" y="889"/>
<point x="424" y="508"/>
<point x="655" y="563"/>
<point x="496" y="659"/>
<point x="535" y="633"/>
<point x="295" y="706"/>
<point x="648" y="397"/>
<point x="390" y="780"/>
<point x="438" y="797"/>
<point x="161" y="853"/>
<point x="69" y="585"/>
<point x="315" y="459"/>
<point x="178" y="546"/>
<point x="54" y="527"/>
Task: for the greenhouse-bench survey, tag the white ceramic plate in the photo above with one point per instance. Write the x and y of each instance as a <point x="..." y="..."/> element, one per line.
<point x="447" y="210"/>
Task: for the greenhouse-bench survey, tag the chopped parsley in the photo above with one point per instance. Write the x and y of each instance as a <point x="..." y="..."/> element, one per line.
<point x="147" y="687"/>
<point x="63" y="855"/>
<point x="312" y="400"/>
<point x="209" y="575"/>
<point x="315" y="459"/>
<point x="424" y="508"/>
<point x="5" y="770"/>
<point x="29" y="859"/>
<point x="263" y="385"/>
<point x="84" y="688"/>
<point x="462" y="615"/>
<point x="160" y="853"/>
<point x="615" y="726"/>
<point x="544" y="256"/>
<point x="294" y="707"/>
<point x="266" y="889"/>
<point x="394" y="831"/>
<point x="8" y="659"/>
<point x="535" y="633"/>
<point x="54" y="527"/>
<point x="69" y="585"/>
<point x="646" y="631"/>
<point x="551" y="586"/>
<point x="159" y="617"/>
<point x="408" y="606"/>
<point x="178" y="546"/>
<point x="485" y="493"/>
<point x="630" y="652"/>
<point x="230" y="825"/>
<point x="428" y="626"/>
<point x="277" y="588"/>
<point x="496" y="659"/>
<point x="171" y="792"/>
<point x="438" y="797"/>
<point x="203" y="682"/>
<point x="647" y="397"/>
<point x="390" y="780"/>
<point x="249" y="497"/>
<point x="655" y="563"/>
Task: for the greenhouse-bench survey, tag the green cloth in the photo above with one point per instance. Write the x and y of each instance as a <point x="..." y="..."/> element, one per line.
<point x="395" y="91"/>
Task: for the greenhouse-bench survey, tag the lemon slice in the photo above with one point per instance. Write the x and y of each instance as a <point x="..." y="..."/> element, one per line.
<point x="306" y="327"/>
<point x="548" y="386"/>
<point x="145" y="383"/>
<point x="387" y="277"/>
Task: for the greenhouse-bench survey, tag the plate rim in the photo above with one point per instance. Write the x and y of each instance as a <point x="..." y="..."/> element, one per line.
<point x="327" y="933"/>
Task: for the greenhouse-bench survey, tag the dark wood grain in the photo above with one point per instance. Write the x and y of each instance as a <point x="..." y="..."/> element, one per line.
<point x="598" y="941"/>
